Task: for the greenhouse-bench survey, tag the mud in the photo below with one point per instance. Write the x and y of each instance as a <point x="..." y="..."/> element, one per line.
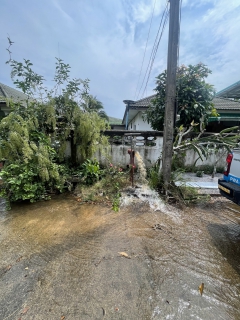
<point x="60" y="260"/>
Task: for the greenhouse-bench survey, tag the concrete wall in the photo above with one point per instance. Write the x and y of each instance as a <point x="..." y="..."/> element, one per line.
<point x="220" y="157"/>
<point x="117" y="153"/>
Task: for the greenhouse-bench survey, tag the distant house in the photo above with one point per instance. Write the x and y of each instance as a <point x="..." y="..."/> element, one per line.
<point x="229" y="115"/>
<point x="227" y="108"/>
<point x="6" y="93"/>
<point x="133" y="116"/>
<point x="116" y="123"/>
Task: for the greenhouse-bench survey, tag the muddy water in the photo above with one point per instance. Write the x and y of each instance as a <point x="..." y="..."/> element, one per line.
<point x="61" y="259"/>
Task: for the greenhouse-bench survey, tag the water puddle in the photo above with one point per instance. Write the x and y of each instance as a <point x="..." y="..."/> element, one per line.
<point x="61" y="259"/>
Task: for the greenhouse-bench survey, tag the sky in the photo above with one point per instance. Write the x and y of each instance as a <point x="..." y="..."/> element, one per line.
<point x="105" y="41"/>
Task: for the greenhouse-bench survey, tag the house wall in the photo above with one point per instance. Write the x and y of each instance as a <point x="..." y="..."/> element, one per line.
<point x="139" y="124"/>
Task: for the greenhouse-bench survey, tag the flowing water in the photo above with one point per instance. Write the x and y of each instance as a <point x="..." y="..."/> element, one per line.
<point x="60" y="260"/>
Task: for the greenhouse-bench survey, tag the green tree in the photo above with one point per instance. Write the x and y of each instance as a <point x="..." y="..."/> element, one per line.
<point x="30" y="170"/>
<point x="193" y="99"/>
<point x="33" y="137"/>
<point x="92" y="104"/>
<point x="61" y="111"/>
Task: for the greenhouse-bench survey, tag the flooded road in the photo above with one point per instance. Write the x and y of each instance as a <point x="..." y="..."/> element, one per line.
<point x="60" y="260"/>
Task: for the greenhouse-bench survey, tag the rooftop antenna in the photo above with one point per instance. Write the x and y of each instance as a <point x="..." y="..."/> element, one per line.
<point x="60" y="90"/>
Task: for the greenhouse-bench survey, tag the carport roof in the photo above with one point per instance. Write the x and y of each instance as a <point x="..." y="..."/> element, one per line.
<point x="232" y="91"/>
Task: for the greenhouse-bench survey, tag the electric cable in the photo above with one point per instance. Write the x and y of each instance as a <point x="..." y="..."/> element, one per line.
<point x="180" y="16"/>
<point x="155" y="53"/>
<point x="156" y="44"/>
<point x="145" y="49"/>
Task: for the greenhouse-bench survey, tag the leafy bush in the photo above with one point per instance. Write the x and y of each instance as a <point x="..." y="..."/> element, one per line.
<point x="107" y="189"/>
<point x="34" y="135"/>
<point x="22" y="181"/>
<point x="91" y="171"/>
<point x="30" y="169"/>
<point x="153" y="177"/>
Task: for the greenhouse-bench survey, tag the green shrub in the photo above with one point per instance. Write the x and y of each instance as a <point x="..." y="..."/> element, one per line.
<point x="91" y="172"/>
<point x="153" y="177"/>
<point x="199" y="173"/>
<point x="22" y="181"/>
<point x="107" y="188"/>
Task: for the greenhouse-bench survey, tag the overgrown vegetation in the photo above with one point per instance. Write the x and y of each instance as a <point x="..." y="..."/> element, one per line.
<point x="107" y="187"/>
<point x="34" y="136"/>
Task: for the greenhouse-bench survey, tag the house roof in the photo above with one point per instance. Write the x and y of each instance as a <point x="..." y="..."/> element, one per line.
<point x="7" y="92"/>
<point x="133" y="107"/>
<point x="232" y="91"/>
<point x="140" y="103"/>
<point x="225" y="104"/>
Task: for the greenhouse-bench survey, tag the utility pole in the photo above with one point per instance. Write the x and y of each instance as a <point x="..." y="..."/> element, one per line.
<point x="169" y="119"/>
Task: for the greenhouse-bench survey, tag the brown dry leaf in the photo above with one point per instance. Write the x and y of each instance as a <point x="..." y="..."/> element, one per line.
<point x="62" y="317"/>
<point x="19" y="259"/>
<point x="8" y="267"/>
<point x="200" y="288"/>
<point x="25" y="310"/>
<point x="124" y="254"/>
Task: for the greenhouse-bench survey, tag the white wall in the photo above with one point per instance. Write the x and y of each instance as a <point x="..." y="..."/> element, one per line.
<point x="220" y="157"/>
<point x="139" y="124"/>
<point x="118" y="155"/>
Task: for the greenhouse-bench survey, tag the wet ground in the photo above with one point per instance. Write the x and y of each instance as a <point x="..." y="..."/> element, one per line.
<point x="60" y="260"/>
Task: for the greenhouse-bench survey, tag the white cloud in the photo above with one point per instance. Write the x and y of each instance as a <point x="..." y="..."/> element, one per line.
<point x="105" y="41"/>
<point x="142" y="11"/>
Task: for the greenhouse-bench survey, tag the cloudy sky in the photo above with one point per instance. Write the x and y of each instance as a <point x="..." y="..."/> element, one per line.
<point x="105" y="42"/>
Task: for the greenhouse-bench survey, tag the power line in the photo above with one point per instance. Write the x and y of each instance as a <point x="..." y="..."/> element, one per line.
<point x="180" y="16"/>
<point x="145" y="48"/>
<point x="155" y="46"/>
<point x="156" y="49"/>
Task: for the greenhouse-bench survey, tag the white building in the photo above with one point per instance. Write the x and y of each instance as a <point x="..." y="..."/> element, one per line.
<point x="133" y="116"/>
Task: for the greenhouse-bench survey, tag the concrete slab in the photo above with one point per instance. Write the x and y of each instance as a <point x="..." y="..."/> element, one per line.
<point x="200" y="184"/>
<point x="205" y="184"/>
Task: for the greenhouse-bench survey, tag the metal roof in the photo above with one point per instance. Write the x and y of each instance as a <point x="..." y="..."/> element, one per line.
<point x="232" y="91"/>
<point x="10" y="93"/>
<point x="225" y="104"/>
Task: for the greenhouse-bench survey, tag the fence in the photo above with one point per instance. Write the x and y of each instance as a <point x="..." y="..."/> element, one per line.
<point x="149" y="144"/>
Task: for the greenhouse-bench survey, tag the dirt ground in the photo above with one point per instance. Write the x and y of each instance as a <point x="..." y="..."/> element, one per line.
<point x="64" y="260"/>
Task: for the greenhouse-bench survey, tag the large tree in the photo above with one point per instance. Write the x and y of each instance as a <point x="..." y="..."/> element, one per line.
<point x="61" y="111"/>
<point x="92" y="104"/>
<point x="33" y="137"/>
<point x="193" y="99"/>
